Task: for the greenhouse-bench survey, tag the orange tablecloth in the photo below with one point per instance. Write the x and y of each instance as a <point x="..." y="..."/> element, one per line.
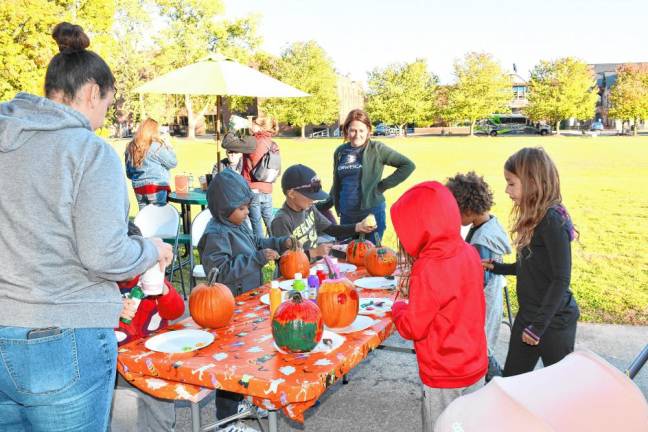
<point x="243" y="359"/>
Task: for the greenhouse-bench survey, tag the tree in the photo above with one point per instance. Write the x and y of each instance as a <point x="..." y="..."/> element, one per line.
<point x="402" y="93"/>
<point x="305" y="66"/>
<point x="482" y="88"/>
<point x="194" y="29"/>
<point x="629" y="94"/>
<point x="561" y="89"/>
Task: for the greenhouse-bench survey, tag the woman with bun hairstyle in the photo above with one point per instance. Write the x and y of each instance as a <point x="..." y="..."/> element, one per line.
<point x="63" y="244"/>
<point x="149" y="158"/>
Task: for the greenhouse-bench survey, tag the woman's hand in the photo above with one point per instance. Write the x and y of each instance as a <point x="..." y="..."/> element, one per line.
<point x="270" y="254"/>
<point x="487" y="264"/>
<point x="165" y="252"/>
<point x="529" y="340"/>
<point x="363" y="227"/>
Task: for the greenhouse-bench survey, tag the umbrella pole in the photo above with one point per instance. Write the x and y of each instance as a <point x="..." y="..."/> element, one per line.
<point x="219" y="100"/>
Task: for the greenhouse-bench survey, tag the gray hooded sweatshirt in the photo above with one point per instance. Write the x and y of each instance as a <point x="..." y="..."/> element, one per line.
<point x="63" y="213"/>
<point x="233" y="249"/>
<point x="492" y="243"/>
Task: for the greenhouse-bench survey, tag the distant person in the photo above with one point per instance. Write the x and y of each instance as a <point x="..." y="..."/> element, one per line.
<point x="444" y="315"/>
<point x="358" y="183"/>
<point x="254" y="148"/>
<point x="149" y="157"/>
<point x="545" y="326"/>
<point x="63" y="246"/>
<point x="299" y="218"/>
<point x="475" y="199"/>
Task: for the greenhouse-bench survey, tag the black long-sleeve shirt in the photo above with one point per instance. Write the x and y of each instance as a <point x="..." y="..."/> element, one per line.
<point x="543" y="273"/>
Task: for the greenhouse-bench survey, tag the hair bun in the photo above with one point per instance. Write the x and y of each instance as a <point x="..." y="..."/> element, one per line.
<point x="70" y="37"/>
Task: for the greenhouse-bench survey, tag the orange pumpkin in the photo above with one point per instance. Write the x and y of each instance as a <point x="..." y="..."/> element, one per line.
<point x="338" y="300"/>
<point x="357" y="249"/>
<point x="380" y="261"/>
<point x="211" y="305"/>
<point x="294" y="260"/>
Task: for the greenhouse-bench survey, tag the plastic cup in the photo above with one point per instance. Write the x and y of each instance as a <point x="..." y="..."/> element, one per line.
<point x="181" y="184"/>
<point x="152" y="281"/>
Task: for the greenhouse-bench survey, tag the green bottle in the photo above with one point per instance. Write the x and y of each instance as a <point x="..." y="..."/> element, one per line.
<point x="298" y="283"/>
<point x="136" y="294"/>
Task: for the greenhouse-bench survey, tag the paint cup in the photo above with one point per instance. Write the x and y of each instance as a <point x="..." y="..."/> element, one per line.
<point x="152" y="281"/>
<point x="181" y="184"/>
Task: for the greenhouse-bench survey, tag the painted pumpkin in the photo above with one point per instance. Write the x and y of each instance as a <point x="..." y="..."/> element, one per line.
<point x="294" y="260"/>
<point x="211" y="305"/>
<point x="380" y="261"/>
<point x="297" y="324"/>
<point x="357" y="249"/>
<point x="338" y="299"/>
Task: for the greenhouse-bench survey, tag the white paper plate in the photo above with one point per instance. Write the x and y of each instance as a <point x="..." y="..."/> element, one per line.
<point x="336" y="342"/>
<point x="375" y="282"/>
<point x="361" y="322"/>
<point x="180" y="341"/>
<point x="265" y="298"/>
<point x="342" y="267"/>
<point x="286" y="285"/>
<point x="375" y="306"/>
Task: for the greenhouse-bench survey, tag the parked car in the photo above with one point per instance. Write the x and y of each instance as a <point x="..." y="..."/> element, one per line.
<point x="381" y="129"/>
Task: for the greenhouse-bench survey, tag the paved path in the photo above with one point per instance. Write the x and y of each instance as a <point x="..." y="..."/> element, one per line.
<point x="384" y="391"/>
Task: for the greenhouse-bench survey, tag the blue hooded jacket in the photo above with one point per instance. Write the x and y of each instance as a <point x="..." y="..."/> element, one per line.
<point x="233" y="249"/>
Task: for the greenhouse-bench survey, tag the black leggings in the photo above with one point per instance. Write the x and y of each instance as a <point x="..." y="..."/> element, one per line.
<point x="554" y="345"/>
<point x="226" y="403"/>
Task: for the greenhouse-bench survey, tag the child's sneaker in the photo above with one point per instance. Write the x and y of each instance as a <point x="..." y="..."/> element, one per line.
<point x="238" y="426"/>
<point x="245" y="405"/>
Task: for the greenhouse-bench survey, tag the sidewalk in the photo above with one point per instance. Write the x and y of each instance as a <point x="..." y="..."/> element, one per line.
<point x="384" y="391"/>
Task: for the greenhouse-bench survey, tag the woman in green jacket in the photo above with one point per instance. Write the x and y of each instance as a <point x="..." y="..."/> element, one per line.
<point x="358" y="183"/>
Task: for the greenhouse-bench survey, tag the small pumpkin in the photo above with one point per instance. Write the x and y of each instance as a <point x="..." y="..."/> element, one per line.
<point x="297" y="324"/>
<point x="357" y="249"/>
<point x="211" y="305"/>
<point x="338" y="299"/>
<point x="294" y="260"/>
<point x="380" y="261"/>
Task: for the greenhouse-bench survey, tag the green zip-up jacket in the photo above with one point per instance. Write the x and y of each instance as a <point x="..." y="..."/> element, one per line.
<point x="375" y="156"/>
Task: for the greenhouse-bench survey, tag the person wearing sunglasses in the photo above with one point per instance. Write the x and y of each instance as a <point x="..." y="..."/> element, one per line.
<point x="358" y="183"/>
<point x="298" y="217"/>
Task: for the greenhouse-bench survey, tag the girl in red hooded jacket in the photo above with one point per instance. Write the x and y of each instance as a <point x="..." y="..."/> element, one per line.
<point x="445" y="311"/>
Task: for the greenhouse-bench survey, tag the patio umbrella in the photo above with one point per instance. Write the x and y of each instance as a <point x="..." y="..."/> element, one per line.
<point x="218" y="76"/>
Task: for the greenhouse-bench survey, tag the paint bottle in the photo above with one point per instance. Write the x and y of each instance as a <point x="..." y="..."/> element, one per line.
<point x="137" y="295"/>
<point x="321" y="273"/>
<point x="298" y="284"/>
<point x="313" y="284"/>
<point x="275" y="297"/>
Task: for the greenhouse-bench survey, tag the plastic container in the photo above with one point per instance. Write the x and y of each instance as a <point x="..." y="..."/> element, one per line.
<point x="137" y="295"/>
<point x="181" y="184"/>
<point x="275" y="297"/>
<point x="313" y="284"/>
<point x="321" y="273"/>
<point x="298" y="283"/>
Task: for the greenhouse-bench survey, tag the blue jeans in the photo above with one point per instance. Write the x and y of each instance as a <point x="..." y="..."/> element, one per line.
<point x="57" y="383"/>
<point x="159" y="198"/>
<point x="261" y="208"/>
<point x="358" y="215"/>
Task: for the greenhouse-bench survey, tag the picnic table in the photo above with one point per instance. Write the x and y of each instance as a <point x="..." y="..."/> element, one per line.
<point x="243" y="359"/>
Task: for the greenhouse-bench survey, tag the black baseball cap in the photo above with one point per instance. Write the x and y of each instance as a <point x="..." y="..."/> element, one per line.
<point x="303" y="180"/>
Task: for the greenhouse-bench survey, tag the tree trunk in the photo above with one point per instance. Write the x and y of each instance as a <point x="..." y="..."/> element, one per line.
<point x="558" y="128"/>
<point x="472" y="128"/>
<point x="303" y="131"/>
<point x="402" y="130"/>
<point x="191" y="118"/>
<point x="636" y="127"/>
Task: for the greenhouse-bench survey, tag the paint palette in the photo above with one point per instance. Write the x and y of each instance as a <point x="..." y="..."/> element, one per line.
<point x="378" y="306"/>
<point x="361" y="323"/>
<point x="180" y="341"/>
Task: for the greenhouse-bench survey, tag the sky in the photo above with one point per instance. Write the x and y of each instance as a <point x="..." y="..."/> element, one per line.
<point x="360" y="35"/>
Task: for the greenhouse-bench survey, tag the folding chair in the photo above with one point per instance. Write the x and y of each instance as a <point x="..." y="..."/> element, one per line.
<point x="197" y="229"/>
<point x="162" y="221"/>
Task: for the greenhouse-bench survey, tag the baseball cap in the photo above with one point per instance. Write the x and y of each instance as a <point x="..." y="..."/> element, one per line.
<point x="303" y="180"/>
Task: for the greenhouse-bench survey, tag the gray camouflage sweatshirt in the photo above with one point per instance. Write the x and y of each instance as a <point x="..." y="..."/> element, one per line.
<point x="63" y="220"/>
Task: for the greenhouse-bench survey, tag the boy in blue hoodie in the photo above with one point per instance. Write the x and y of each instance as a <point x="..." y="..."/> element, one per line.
<point x="475" y="200"/>
<point x="229" y="245"/>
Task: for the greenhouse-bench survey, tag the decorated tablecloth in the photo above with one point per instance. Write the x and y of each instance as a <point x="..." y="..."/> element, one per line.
<point x="243" y="359"/>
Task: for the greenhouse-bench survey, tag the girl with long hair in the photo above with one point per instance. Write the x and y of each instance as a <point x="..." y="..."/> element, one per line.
<point x="545" y="326"/>
<point x="149" y="158"/>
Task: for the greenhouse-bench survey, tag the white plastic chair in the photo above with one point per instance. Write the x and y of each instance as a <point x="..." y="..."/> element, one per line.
<point x="197" y="229"/>
<point x="162" y="221"/>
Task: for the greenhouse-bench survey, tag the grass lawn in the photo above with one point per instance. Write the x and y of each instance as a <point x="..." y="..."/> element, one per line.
<point x="604" y="185"/>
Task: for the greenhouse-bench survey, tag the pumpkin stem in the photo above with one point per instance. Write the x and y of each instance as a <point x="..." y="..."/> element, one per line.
<point x="294" y="243"/>
<point x="295" y="296"/>
<point x="378" y="240"/>
<point x="213" y="274"/>
<point x="362" y="236"/>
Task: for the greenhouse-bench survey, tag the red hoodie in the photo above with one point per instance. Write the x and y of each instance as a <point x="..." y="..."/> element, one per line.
<point x="445" y="313"/>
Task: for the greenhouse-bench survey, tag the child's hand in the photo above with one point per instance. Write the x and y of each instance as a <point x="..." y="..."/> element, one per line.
<point x="321" y="250"/>
<point x="129" y="309"/>
<point x="487" y="264"/>
<point x="270" y="254"/>
<point x="291" y="242"/>
<point x="363" y="227"/>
